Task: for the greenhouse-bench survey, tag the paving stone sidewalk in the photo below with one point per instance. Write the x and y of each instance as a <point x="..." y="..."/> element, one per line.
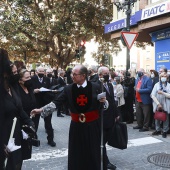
<point x="55" y="158"/>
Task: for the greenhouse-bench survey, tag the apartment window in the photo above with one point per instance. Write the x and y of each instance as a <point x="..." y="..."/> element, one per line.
<point x="148" y="55"/>
<point x="153" y="1"/>
<point x="148" y="68"/>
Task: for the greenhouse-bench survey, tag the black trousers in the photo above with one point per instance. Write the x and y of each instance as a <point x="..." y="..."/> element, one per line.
<point x="106" y="135"/>
<point x="49" y="128"/>
<point x="59" y="109"/>
<point x="47" y="124"/>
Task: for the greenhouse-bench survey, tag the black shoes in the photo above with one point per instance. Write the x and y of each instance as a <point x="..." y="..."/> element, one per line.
<point x="52" y="143"/>
<point x="111" y="166"/>
<point x="156" y="133"/>
<point x="60" y="116"/>
<point x="143" y="130"/>
<point x="129" y="122"/>
<point x="164" y="134"/>
<point x="137" y="127"/>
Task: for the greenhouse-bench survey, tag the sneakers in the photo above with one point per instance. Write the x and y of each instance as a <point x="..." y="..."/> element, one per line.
<point x="164" y="134"/>
<point x="156" y="133"/>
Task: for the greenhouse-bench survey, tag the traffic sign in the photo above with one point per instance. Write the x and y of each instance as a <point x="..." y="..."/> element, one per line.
<point x="129" y="38"/>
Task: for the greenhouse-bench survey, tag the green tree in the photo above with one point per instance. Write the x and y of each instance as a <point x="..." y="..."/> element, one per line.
<point x="52" y="29"/>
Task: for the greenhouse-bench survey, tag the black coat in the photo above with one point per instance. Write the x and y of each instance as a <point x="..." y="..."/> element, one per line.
<point x="28" y="104"/>
<point x="13" y="108"/>
<point x="111" y="113"/>
<point x="61" y="82"/>
<point x="84" y="138"/>
<point x="42" y="98"/>
<point x="53" y="82"/>
<point x="94" y="78"/>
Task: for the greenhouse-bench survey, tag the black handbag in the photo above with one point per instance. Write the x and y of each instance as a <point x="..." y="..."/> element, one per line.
<point x="119" y="136"/>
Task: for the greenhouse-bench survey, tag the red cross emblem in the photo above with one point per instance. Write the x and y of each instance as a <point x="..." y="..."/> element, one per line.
<point x="81" y="100"/>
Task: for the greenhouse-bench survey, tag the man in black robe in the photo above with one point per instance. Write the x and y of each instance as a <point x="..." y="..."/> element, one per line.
<point x="84" y="135"/>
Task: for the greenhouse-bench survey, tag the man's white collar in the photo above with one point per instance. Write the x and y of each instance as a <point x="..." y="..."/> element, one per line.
<point x="83" y="85"/>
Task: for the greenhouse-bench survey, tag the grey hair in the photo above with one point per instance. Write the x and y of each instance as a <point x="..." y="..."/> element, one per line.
<point x="94" y="68"/>
<point x="100" y="70"/>
<point x="61" y="72"/>
<point x="40" y="67"/>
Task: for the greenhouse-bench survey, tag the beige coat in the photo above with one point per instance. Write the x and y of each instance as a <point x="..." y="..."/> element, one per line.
<point x="120" y="95"/>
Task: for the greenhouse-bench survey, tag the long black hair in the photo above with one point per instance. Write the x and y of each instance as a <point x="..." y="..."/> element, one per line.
<point x="5" y="70"/>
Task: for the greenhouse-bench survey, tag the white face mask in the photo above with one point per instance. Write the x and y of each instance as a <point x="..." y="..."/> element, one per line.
<point x="163" y="79"/>
<point x="152" y="75"/>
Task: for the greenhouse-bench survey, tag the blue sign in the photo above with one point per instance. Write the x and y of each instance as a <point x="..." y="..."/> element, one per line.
<point x="120" y="24"/>
<point x="114" y="26"/>
<point x="162" y="57"/>
<point x="138" y="15"/>
<point x="153" y="11"/>
<point x="160" y="35"/>
<point x="162" y="49"/>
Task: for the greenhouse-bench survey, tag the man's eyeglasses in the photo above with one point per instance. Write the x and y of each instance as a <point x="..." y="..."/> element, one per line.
<point x="74" y="74"/>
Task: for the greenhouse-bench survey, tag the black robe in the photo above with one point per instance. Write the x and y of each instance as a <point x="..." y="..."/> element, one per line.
<point x="84" y="138"/>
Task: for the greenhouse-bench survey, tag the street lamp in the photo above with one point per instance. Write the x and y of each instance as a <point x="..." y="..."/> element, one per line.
<point x="125" y="5"/>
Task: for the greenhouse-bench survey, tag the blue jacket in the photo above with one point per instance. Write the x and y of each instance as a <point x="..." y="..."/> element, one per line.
<point x="145" y="89"/>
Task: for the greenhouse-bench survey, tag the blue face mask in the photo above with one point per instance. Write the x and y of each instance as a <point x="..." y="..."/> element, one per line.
<point x="163" y="79"/>
<point x="140" y="74"/>
<point x="114" y="83"/>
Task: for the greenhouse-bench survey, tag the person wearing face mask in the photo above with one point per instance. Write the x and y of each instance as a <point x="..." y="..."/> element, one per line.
<point x="119" y="95"/>
<point x="12" y="107"/>
<point x="42" y="98"/>
<point x="143" y="86"/>
<point x="161" y="95"/>
<point x="110" y="115"/>
<point x="155" y="78"/>
<point x="49" y="74"/>
<point x="28" y="103"/>
<point x="84" y="134"/>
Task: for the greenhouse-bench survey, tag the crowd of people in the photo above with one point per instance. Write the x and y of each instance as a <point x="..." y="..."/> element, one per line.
<point x="75" y="92"/>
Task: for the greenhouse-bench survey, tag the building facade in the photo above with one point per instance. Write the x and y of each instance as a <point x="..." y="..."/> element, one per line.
<point x="151" y="19"/>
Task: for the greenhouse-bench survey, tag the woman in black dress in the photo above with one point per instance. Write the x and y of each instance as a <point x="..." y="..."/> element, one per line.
<point x="28" y="103"/>
<point x="12" y="108"/>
